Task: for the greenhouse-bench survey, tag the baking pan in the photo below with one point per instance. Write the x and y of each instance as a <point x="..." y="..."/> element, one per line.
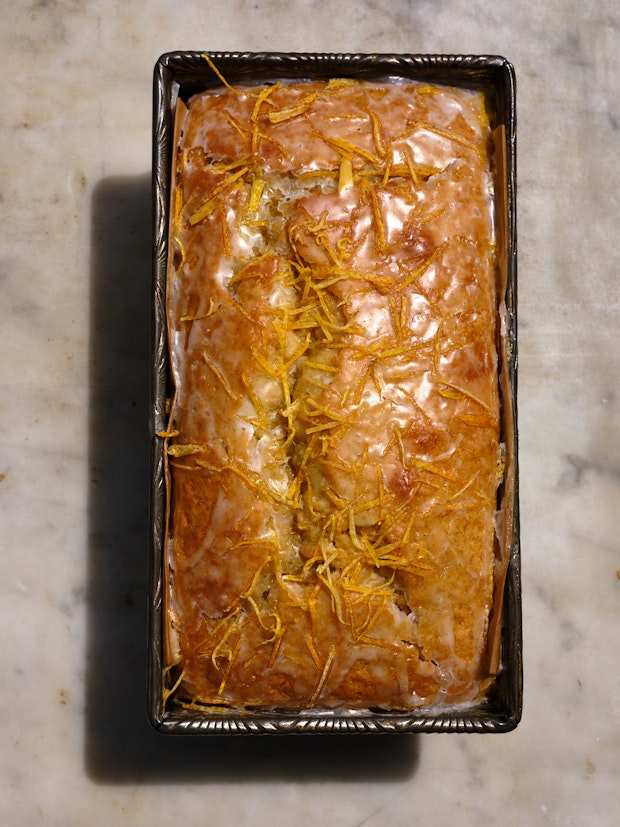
<point x="179" y="76"/>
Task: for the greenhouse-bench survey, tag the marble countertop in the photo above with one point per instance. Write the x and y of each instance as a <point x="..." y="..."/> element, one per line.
<point x="74" y="272"/>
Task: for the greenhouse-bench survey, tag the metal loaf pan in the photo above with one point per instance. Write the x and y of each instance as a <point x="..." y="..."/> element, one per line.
<point x="180" y="75"/>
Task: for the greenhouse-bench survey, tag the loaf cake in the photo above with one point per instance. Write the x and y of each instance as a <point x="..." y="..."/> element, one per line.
<point x="333" y="449"/>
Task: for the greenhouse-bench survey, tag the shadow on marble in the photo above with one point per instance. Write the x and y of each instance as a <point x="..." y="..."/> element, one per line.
<point x="120" y="745"/>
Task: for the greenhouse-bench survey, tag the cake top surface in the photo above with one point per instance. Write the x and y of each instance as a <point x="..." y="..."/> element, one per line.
<point x="333" y="448"/>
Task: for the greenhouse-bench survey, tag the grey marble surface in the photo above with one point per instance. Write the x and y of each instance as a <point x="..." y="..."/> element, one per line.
<point x="74" y="275"/>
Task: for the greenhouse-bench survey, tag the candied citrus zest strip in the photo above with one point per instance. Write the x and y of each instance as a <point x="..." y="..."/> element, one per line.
<point x="380" y="590"/>
<point x="277" y="629"/>
<point x="318" y="225"/>
<point x="353" y="531"/>
<point x="376" y="134"/>
<point x="326" y="579"/>
<point x="367" y="505"/>
<point x="312" y="648"/>
<point x="432" y="468"/>
<point x="449" y="394"/>
<point x="428" y="89"/>
<point x="256" y="402"/>
<point x="333" y="84"/>
<point x="396" y="316"/>
<point x="337" y="500"/>
<point x="256" y="193"/>
<point x="219" y="376"/>
<point x="394" y="517"/>
<point x="200" y="316"/>
<point x="343" y="146"/>
<point x="254" y="482"/>
<point x="250" y="270"/>
<point x="326" y="669"/>
<point x="371" y="618"/>
<point x="207" y="207"/>
<point x="408" y="529"/>
<point x="225" y="234"/>
<point x="323" y="409"/>
<point x="323" y="240"/>
<point x="384" y="553"/>
<point x="276" y="648"/>
<point x="262" y="97"/>
<point x="388" y="169"/>
<point x="259" y="541"/>
<point x="327" y="426"/>
<point x="239" y="162"/>
<point x="222" y="621"/>
<point x="449" y="135"/>
<point x="217" y="72"/>
<point x="464" y="392"/>
<point x="203" y="703"/>
<point x="306" y="456"/>
<point x="437" y="348"/>
<point x="372" y="641"/>
<point x="178" y="205"/>
<point x="249" y="591"/>
<point x="167" y="434"/>
<point x="480" y="421"/>
<point x="327" y="559"/>
<point x="345" y="178"/>
<point x="181" y="247"/>
<point x="265" y="136"/>
<point x="186" y="450"/>
<point x="422" y="268"/>
<point x="325" y="307"/>
<point x="264" y="364"/>
<point x="296" y="356"/>
<point x="368" y="188"/>
<point x="290" y="410"/>
<point x="463" y="506"/>
<point x="371" y="278"/>
<point x="304" y="324"/>
<point x="304" y="308"/>
<point x="317" y="286"/>
<point x="243" y="130"/>
<point x="343" y="245"/>
<point x="410" y="166"/>
<point x="401" y="350"/>
<point x="231" y="660"/>
<point x="168" y="692"/>
<point x="396" y="563"/>
<point x="362" y="382"/>
<point x="227" y="633"/>
<point x="403" y="315"/>
<point x="320" y="366"/>
<point x="425" y="219"/>
<point x="349" y="327"/>
<point x="259" y="617"/>
<point x="293" y="111"/>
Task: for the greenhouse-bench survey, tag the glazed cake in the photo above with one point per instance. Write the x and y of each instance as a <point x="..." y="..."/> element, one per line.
<point x="333" y="445"/>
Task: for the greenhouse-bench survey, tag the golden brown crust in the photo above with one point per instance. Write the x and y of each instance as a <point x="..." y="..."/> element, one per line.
<point x="331" y="310"/>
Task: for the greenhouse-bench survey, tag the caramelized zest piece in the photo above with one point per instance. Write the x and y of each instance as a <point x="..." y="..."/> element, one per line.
<point x="293" y="111"/>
